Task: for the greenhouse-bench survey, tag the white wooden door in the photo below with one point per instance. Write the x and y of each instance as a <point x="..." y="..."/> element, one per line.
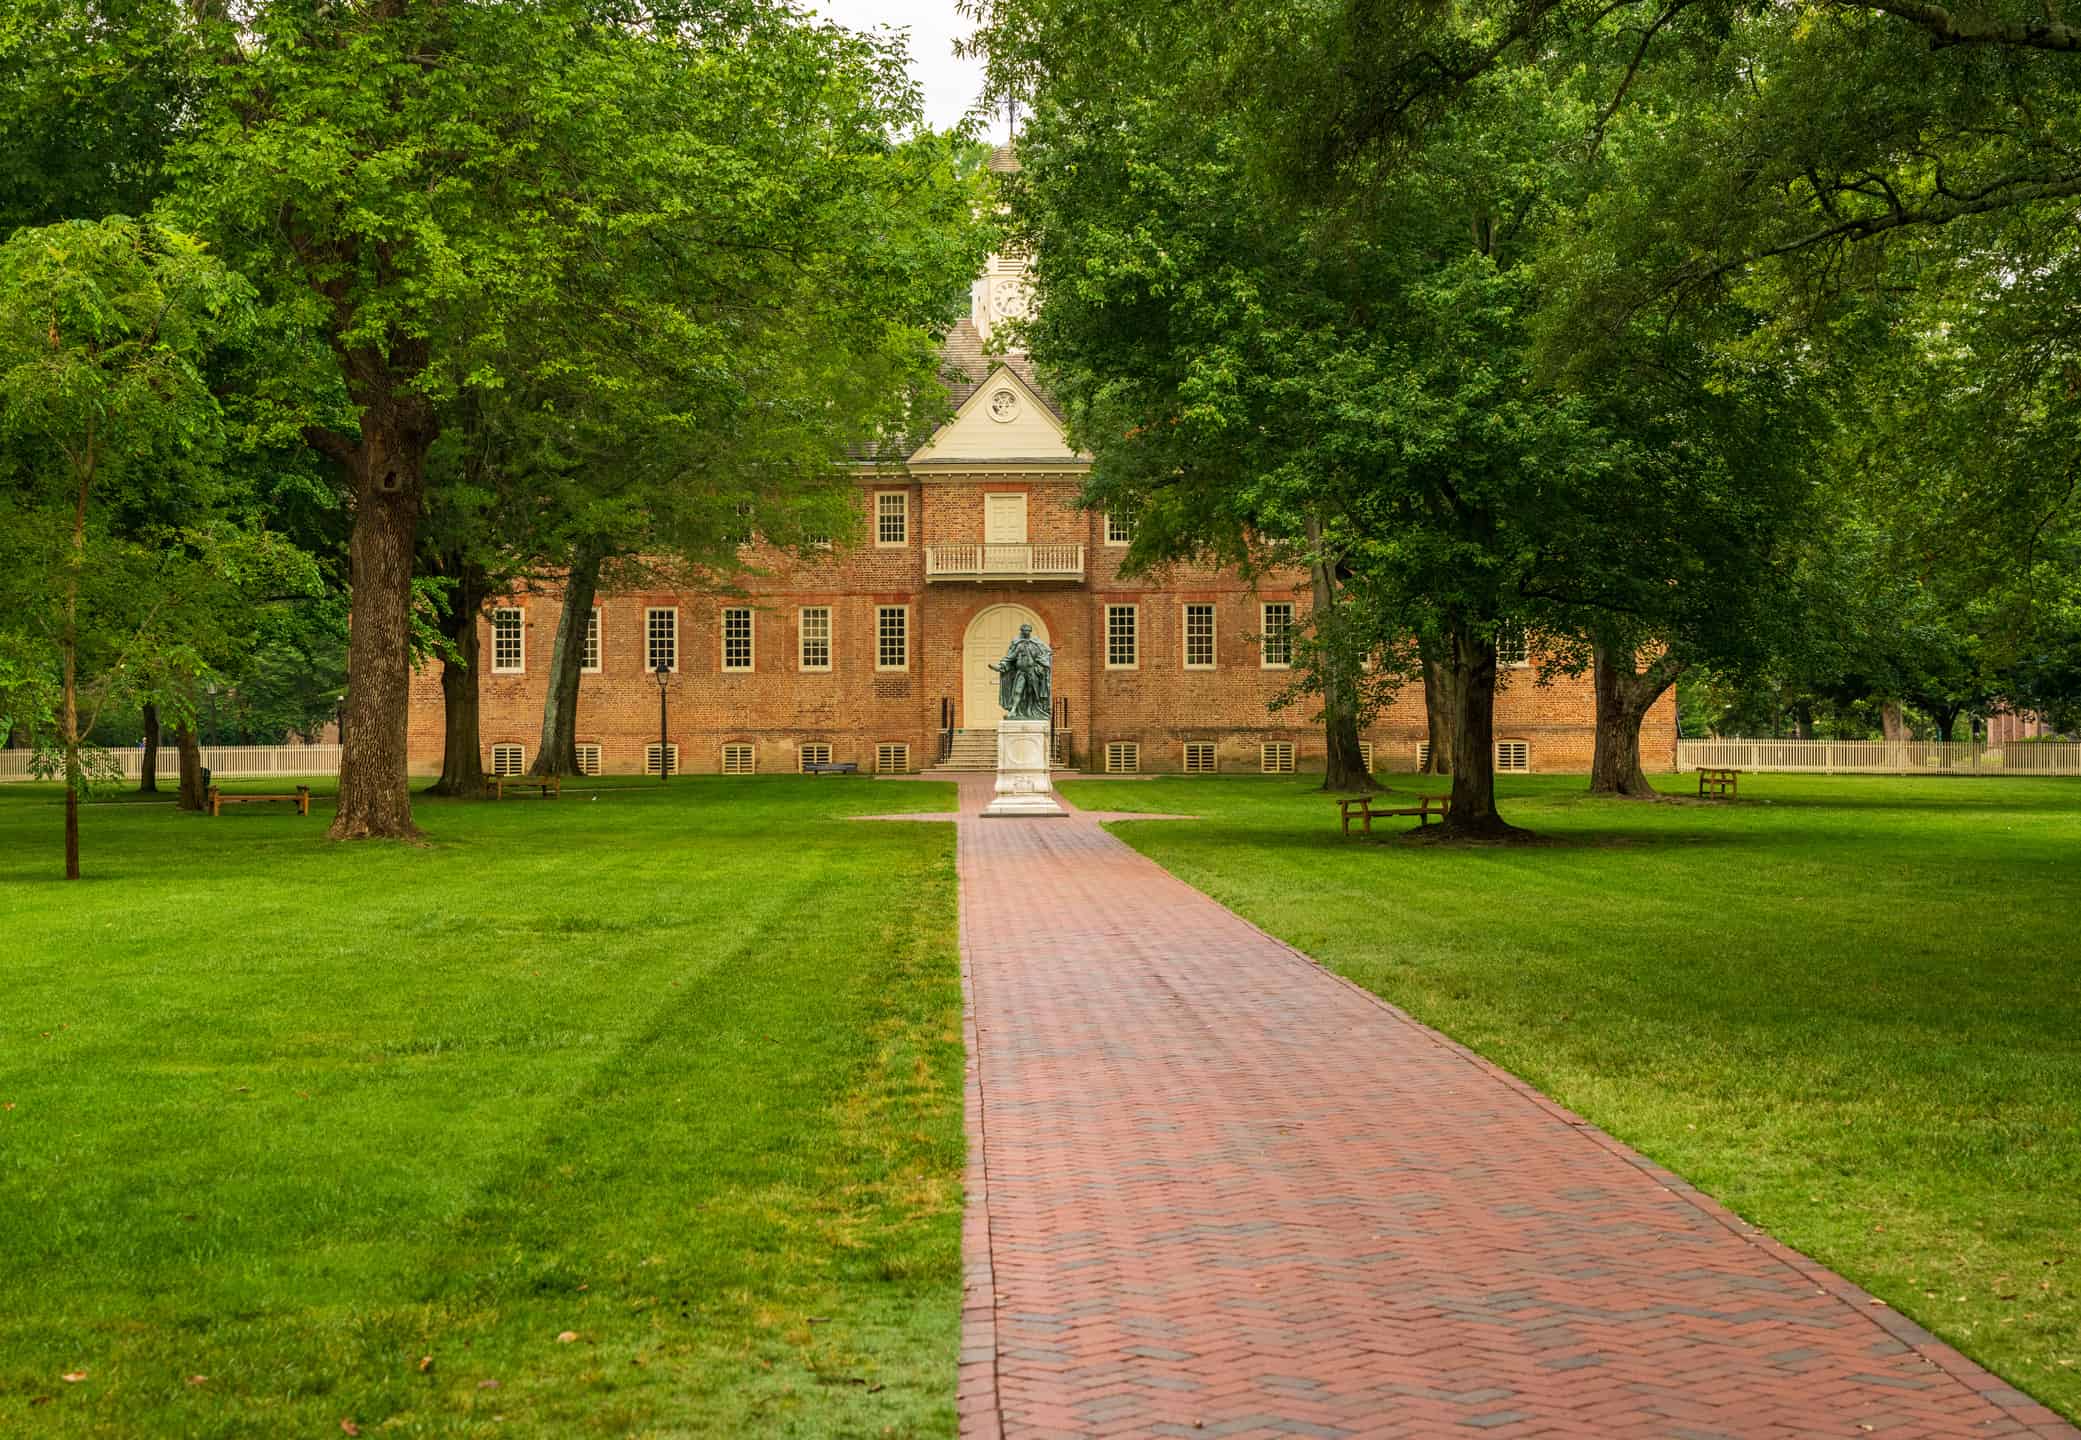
<point x="989" y="635"/>
<point x="1004" y="519"/>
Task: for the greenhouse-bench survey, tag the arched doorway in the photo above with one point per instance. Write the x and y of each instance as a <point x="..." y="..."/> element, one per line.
<point x="989" y="634"/>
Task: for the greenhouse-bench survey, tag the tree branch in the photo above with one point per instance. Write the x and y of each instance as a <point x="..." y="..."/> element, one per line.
<point x="1946" y="28"/>
<point x="1998" y="196"/>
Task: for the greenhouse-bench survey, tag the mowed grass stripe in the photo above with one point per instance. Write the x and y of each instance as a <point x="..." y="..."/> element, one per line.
<point x="1849" y="1007"/>
<point x="681" y="1076"/>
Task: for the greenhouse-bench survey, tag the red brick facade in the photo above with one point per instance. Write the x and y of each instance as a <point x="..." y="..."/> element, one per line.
<point x="999" y="473"/>
<point x="856" y="705"/>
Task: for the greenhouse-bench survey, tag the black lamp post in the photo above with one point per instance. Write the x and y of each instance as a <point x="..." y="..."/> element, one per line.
<point x="664" y="746"/>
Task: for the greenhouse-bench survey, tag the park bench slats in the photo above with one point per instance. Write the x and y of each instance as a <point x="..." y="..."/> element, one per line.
<point x="551" y="787"/>
<point x="840" y="767"/>
<point x="1366" y="808"/>
<point x="301" y="800"/>
<point x="1718" y="781"/>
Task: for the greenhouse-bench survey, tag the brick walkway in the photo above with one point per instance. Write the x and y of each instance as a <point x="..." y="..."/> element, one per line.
<point x="1216" y="1191"/>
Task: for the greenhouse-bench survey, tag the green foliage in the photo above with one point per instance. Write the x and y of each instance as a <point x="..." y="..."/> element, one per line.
<point x="91" y="94"/>
<point x="106" y="419"/>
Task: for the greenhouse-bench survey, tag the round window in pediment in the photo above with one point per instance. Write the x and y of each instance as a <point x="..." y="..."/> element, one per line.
<point x="1004" y="405"/>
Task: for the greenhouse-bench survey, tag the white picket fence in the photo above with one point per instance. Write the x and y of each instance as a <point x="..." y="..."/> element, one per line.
<point x="1882" y="757"/>
<point x="224" y="762"/>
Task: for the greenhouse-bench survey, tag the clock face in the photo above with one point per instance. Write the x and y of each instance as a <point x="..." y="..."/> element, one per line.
<point x="1004" y="405"/>
<point x="1008" y="300"/>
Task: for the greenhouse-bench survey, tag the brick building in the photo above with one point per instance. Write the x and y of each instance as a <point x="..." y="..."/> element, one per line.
<point x="877" y="651"/>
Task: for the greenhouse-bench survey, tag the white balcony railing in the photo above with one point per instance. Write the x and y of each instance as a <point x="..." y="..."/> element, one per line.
<point x="1004" y="562"/>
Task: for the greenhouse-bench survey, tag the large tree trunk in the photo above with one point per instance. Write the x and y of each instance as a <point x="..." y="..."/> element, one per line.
<point x="189" y="750"/>
<point x="1344" y="767"/>
<point x="1624" y="696"/>
<point x="1891" y="723"/>
<point x="389" y="469"/>
<point x="1438" y="707"/>
<point x="558" y="752"/>
<point x="148" y="771"/>
<point x="1470" y="667"/>
<point x="462" y="745"/>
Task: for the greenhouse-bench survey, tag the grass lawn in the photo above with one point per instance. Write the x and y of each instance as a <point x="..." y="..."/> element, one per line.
<point x="1850" y="1008"/>
<point x="640" y="1116"/>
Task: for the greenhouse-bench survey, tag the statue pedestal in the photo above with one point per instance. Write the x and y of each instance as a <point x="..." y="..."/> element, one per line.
<point x="1023" y="787"/>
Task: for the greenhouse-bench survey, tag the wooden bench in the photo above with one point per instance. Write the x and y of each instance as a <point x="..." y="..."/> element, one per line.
<point x="1367" y="807"/>
<point x="301" y="799"/>
<point x="1718" y="782"/>
<point x="841" y="767"/>
<point x="550" y="786"/>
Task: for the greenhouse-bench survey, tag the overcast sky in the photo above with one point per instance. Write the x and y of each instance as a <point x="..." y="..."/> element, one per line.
<point x="951" y="85"/>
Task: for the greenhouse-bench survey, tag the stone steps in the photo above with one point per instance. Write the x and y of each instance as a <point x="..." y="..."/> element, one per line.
<point x="973" y="750"/>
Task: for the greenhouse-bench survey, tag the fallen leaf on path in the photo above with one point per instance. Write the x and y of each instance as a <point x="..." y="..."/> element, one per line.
<point x="73" y="1377"/>
<point x="567" y="1337"/>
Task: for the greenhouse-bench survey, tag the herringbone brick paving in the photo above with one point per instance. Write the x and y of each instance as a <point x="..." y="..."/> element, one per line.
<point x="1217" y="1191"/>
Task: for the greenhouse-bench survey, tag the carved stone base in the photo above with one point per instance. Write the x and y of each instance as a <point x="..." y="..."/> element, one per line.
<point x="1023" y="787"/>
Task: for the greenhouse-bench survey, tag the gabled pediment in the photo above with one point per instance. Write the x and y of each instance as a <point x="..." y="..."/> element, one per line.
<point x="1003" y="420"/>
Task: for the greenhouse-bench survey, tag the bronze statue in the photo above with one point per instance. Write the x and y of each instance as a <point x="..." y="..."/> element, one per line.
<point x="1025" y="681"/>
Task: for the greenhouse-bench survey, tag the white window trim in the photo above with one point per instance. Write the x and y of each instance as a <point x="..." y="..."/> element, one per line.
<point x="1105" y="533"/>
<point x="1213" y="754"/>
<point x="1287" y="757"/>
<point x="579" y="752"/>
<point x="830" y="639"/>
<point x="596" y="631"/>
<point x="520" y="765"/>
<point x="879" y="543"/>
<point x="671" y="756"/>
<point x="1524" y="664"/>
<point x="1264" y="630"/>
<point x="1185" y="609"/>
<point x="1129" y="751"/>
<point x="1025" y="515"/>
<point x="904" y="668"/>
<point x="1135" y="625"/>
<point x="802" y="754"/>
<point x="1522" y="745"/>
<point x="496" y="668"/>
<point x="722" y="640"/>
<point x="896" y="748"/>
<point x="673" y="611"/>
<point x="751" y="757"/>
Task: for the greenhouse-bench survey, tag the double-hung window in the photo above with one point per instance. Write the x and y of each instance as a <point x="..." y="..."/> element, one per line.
<point x="508" y="641"/>
<point x="661" y="639"/>
<point x="891" y="517"/>
<point x="892" y="637"/>
<point x="1513" y="647"/>
<point x="1119" y="529"/>
<point x="814" y="627"/>
<point x="1278" y="635"/>
<point x="1122" y="652"/>
<point x="737" y="638"/>
<point x="590" y="661"/>
<point x="1199" y="637"/>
